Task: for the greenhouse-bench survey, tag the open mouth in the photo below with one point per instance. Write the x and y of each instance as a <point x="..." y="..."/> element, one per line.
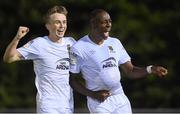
<point x="108" y="28"/>
<point x="60" y="32"/>
<point x="106" y="35"/>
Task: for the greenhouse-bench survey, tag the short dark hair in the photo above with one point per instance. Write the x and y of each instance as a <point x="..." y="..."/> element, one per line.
<point x="55" y="9"/>
<point x="94" y="14"/>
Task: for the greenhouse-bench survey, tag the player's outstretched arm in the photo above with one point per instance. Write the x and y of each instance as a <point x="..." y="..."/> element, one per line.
<point x="138" y="72"/>
<point x="11" y="54"/>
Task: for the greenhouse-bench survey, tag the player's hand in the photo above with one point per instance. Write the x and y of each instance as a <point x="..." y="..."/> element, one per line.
<point x="101" y="95"/>
<point x="22" y="31"/>
<point x="159" y="70"/>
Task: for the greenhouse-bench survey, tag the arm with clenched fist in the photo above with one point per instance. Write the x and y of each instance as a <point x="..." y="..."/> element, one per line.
<point x="11" y="54"/>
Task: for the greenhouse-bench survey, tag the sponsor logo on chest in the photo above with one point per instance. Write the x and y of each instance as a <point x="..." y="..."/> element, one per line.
<point x="63" y="64"/>
<point x="110" y="62"/>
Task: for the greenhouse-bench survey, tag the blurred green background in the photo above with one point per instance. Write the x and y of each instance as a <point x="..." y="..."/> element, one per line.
<point x="148" y="29"/>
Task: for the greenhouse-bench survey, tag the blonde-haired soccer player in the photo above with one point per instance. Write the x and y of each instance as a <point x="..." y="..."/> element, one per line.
<point x="50" y="55"/>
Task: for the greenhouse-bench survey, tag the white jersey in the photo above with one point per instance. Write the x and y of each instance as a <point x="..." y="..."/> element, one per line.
<point x="51" y="66"/>
<point x="99" y="64"/>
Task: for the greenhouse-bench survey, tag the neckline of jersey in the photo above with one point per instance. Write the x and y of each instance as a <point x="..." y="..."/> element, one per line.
<point x="55" y="43"/>
<point x="95" y="43"/>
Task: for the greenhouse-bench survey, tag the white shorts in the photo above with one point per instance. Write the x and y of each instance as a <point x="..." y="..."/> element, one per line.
<point x="56" y="106"/>
<point x="115" y="104"/>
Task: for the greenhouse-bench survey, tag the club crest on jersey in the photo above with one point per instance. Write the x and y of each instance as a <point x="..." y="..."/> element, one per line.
<point x="111" y="49"/>
<point x="63" y="64"/>
<point x="110" y="62"/>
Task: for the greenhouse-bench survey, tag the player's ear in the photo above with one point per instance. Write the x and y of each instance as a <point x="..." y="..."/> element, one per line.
<point x="47" y="26"/>
<point x="93" y="23"/>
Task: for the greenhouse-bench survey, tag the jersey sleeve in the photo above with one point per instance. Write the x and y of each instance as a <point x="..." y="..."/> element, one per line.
<point x="29" y="51"/>
<point x="73" y="40"/>
<point x="75" y="61"/>
<point x="123" y="55"/>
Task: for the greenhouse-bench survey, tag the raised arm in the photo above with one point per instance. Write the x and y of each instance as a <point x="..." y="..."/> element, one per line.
<point x="11" y="54"/>
<point x="138" y="72"/>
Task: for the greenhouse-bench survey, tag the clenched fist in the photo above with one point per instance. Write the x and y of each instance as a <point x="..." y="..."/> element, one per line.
<point x="159" y="70"/>
<point x="22" y="31"/>
<point x="101" y="95"/>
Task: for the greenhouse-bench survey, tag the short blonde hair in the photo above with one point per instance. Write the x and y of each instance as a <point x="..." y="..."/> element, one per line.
<point x="55" y="9"/>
